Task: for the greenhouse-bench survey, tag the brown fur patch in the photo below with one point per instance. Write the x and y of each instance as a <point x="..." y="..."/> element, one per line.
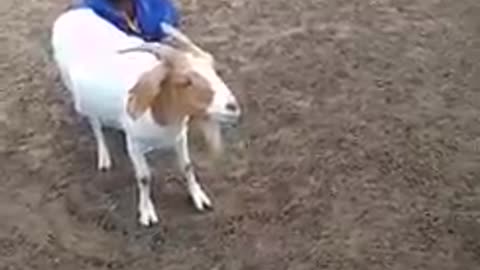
<point x="145" y="90"/>
<point x="172" y="90"/>
<point x="184" y="93"/>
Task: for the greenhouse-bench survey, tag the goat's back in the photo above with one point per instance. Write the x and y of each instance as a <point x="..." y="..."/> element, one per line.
<point x="85" y="50"/>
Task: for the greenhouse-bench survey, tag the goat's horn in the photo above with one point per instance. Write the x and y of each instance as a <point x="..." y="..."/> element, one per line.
<point x="157" y="49"/>
<point x="179" y="36"/>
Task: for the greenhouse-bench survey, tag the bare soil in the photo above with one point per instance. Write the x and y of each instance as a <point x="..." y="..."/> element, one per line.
<point x="360" y="147"/>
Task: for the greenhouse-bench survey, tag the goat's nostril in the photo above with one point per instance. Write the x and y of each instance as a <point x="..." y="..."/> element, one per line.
<point x="232" y="107"/>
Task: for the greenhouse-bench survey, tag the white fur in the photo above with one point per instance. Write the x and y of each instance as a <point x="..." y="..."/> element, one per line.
<point x="85" y="50"/>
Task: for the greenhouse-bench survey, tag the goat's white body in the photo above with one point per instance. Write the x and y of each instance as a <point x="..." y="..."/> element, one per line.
<point x="99" y="78"/>
<point x="85" y="49"/>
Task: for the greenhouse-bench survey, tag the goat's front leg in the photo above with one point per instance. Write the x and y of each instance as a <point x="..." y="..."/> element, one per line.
<point x="199" y="197"/>
<point x="148" y="215"/>
<point x="103" y="155"/>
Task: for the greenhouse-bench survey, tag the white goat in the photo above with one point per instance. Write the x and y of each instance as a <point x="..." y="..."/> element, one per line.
<point x="152" y="97"/>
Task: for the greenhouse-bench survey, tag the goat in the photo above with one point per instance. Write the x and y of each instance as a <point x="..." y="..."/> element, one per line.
<point x="153" y="97"/>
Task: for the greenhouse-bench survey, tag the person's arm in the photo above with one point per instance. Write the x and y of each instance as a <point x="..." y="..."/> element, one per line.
<point x="151" y="13"/>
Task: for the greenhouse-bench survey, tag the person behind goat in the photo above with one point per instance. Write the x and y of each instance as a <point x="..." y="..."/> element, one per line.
<point x="140" y="18"/>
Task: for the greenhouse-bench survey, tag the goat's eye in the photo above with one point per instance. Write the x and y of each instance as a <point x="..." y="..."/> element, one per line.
<point x="183" y="81"/>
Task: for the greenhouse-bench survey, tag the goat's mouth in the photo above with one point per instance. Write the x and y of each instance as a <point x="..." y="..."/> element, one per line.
<point x="226" y="120"/>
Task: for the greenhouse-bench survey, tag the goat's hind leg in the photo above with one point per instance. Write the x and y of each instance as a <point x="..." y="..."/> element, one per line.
<point x="103" y="155"/>
<point x="199" y="197"/>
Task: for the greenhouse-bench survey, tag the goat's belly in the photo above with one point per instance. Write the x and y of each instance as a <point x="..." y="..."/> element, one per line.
<point x="107" y="113"/>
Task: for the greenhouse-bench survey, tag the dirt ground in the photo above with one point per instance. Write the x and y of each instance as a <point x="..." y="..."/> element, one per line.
<point x="360" y="146"/>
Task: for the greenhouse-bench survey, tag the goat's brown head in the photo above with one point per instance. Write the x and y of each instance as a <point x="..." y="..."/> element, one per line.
<point x="185" y="83"/>
<point x="171" y="90"/>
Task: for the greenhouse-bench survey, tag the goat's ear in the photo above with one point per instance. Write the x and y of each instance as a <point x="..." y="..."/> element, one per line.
<point x="145" y="90"/>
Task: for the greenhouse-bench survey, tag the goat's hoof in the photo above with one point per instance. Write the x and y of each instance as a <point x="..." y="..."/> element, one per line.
<point x="148" y="216"/>
<point x="148" y="219"/>
<point x="200" y="199"/>
<point x="104" y="164"/>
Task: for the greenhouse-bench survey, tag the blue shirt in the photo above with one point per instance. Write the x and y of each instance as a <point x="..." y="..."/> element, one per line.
<point x="149" y="15"/>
